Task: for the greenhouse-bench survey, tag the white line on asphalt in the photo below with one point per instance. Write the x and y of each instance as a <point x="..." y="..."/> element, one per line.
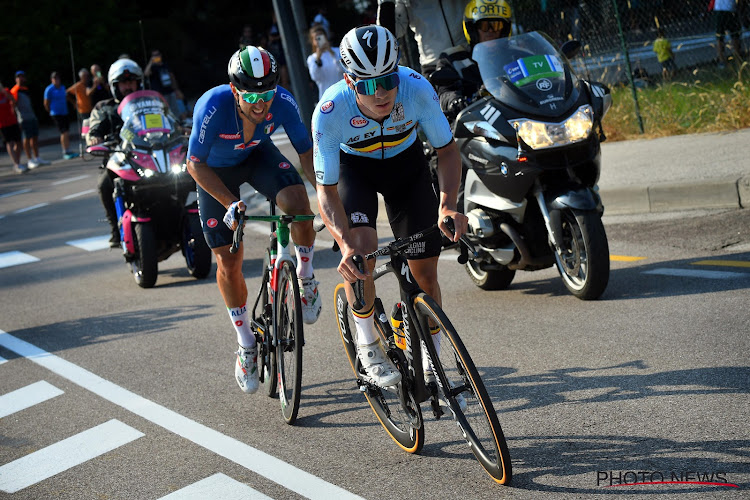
<point x="13" y="193"/>
<point x="238" y="452"/>
<point x="26" y="397"/>
<point x="3" y="360"/>
<point x="72" y="179"/>
<point x="32" y="207"/>
<point x="91" y="244"/>
<point x="15" y="258"/>
<point x="216" y="486"/>
<point x="696" y="273"/>
<point x="76" y="195"/>
<point x="63" y="455"/>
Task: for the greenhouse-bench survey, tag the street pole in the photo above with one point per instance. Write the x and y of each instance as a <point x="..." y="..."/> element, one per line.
<point x="626" y="54"/>
<point x="295" y="58"/>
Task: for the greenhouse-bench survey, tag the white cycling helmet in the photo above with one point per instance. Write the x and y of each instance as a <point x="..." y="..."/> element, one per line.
<point x="369" y="51"/>
<point x="121" y="70"/>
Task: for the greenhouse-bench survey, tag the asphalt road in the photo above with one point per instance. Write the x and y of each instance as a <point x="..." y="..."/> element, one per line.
<point x="111" y="391"/>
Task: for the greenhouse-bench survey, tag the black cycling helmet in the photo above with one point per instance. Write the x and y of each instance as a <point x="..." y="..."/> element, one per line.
<point x="253" y="69"/>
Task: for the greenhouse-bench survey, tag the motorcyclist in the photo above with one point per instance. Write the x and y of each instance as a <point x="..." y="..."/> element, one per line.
<point x="457" y="77"/>
<point x="124" y="77"/>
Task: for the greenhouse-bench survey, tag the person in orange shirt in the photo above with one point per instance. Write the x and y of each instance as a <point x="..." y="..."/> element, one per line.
<point x="82" y="90"/>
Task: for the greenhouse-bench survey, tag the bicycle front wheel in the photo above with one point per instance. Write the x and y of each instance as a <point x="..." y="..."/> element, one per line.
<point x="463" y="388"/>
<point x="395" y="408"/>
<point x="289" y="341"/>
<point x="267" y="350"/>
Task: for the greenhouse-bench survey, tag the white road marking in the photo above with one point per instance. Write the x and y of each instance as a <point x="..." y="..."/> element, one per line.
<point x="26" y="397"/>
<point x="32" y="207"/>
<point x="217" y="486"/>
<point x="76" y="195"/>
<point x="72" y="179"/>
<point x="266" y="465"/>
<point x="63" y="455"/>
<point x="3" y="360"/>
<point x="15" y="258"/>
<point x="697" y="273"/>
<point x="90" y="244"/>
<point x="14" y="193"/>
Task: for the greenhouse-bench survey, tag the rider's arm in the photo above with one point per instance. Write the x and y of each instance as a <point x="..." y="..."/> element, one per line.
<point x="306" y="160"/>
<point x="449" y="179"/>
<point x="332" y="211"/>
<point x="207" y="179"/>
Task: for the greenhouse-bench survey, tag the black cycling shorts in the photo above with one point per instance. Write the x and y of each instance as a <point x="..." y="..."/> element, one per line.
<point x="266" y="170"/>
<point x="406" y="186"/>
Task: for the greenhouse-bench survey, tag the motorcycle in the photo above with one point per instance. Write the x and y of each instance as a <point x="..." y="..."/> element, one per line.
<point x="530" y="151"/>
<point x="157" y="208"/>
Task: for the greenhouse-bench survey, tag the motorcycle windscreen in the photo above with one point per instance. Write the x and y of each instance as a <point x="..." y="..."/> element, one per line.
<point x="147" y="122"/>
<point x="527" y="73"/>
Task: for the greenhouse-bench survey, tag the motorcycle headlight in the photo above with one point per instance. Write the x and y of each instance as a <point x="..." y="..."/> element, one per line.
<point x="178" y="169"/>
<point x="542" y="135"/>
<point x="145" y="172"/>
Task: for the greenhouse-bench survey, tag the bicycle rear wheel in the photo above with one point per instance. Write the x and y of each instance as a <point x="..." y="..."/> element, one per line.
<point x="455" y="371"/>
<point x="403" y="424"/>
<point x="289" y="341"/>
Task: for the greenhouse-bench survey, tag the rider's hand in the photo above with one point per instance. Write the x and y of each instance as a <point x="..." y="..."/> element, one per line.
<point x="93" y="140"/>
<point x="456" y="105"/>
<point x="460" y="223"/>
<point x="230" y="218"/>
<point x="348" y="269"/>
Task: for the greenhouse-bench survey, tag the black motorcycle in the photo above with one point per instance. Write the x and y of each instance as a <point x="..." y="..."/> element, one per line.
<point x="153" y="189"/>
<point x="530" y="149"/>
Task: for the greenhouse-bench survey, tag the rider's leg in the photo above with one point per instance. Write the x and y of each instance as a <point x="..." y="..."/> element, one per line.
<point x="294" y="200"/>
<point x="425" y="272"/>
<point x="367" y="238"/>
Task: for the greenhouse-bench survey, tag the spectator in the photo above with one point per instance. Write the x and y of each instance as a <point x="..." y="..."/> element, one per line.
<point x="436" y="25"/>
<point x="726" y="20"/>
<point x="27" y="120"/>
<point x="320" y="18"/>
<point x="162" y="80"/>
<point x="100" y="88"/>
<point x="81" y="91"/>
<point x="56" y="104"/>
<point x="663" y="49"/>
<point x="247" y="37"/>
<point x="277" y="49"/>
<point x="323" y="63"/>
<point x="9" y="129"/>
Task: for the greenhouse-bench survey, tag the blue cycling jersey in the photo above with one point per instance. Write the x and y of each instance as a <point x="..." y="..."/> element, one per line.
<point x="216" y="138"/>
<point x="339" y="125"/>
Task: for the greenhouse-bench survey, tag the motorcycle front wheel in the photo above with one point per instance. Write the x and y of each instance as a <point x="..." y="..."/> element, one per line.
<point x="145" y="265"/>
<point x="194" y="248"/>
<point x="584" y="263"/>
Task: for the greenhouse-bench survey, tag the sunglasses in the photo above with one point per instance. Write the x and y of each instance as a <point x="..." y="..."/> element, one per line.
<point x="486" y="25"/>
<point x="369" y="86"/>
<point x="254" y="97"/>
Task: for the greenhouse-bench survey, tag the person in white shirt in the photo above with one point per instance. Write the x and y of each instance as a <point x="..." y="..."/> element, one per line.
<point x="323" y="63"/>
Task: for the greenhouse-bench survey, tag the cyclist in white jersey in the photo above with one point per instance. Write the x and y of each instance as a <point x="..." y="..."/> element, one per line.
<point x="365" y="143"/>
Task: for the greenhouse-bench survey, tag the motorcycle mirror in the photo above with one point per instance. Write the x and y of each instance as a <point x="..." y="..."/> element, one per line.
<point x="98" y="150"/>
<point x="571" y="48"/>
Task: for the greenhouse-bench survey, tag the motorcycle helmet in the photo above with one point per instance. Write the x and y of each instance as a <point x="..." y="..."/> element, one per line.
<point x="253" y="69"/>
<point x="122" y="70"/>
<point x="479" y="13"/>
<point x="369" y="51"/>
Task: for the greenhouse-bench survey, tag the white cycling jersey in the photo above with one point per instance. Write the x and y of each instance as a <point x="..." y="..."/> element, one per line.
<point x="339" y="125"/>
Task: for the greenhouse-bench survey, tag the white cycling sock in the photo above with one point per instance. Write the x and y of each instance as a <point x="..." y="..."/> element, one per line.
<point x="304" y="260"/>
<point x="366" y="333"/>
<point x="241" y="321"/>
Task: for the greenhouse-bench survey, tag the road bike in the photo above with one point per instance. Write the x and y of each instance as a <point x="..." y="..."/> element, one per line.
<point x="276" y="317"/>
<point x="456" y="388"/>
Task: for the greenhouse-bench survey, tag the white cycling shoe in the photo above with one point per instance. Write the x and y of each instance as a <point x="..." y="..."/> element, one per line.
<point x="246" y="369"/>
<point x="378" y="365"/>
<point x="310" y="299"/>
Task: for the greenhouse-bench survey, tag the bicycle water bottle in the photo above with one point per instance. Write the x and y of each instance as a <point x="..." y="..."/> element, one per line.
<point x="397" y="322"/>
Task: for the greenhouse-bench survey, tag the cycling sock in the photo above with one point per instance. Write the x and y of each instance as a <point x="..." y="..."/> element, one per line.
<point x="241" y="321"/>
<point x="366" y="333"/>
<point x="304" y="260"/>
<point x="434" y="330"/>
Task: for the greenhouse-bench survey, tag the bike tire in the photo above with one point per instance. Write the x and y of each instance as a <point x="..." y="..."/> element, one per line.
<point x="267" y="352"/>
<point x="455" y="369"/>
<point x="386" y="404"/>
<point x="289" y="342"/>
<point x="146" y="264"/>
<point x="194" y="248"/>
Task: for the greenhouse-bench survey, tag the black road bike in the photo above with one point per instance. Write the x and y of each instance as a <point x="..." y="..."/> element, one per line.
<point x="456" y="389"/>
<point x="276" y="316"/>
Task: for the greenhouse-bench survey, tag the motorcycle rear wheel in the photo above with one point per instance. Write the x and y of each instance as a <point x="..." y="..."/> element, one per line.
<point x="493" y="279"/>
<point x="584" y="266"/>
<point x="145" y="265"/>
<point x="195" y="249"/>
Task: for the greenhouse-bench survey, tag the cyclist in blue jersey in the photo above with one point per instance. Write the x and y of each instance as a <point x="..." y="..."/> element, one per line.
<point x="230" y="144"/>
<point x="365" y="143"/>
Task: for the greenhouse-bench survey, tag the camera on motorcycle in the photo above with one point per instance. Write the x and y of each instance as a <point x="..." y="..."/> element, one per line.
<point x="571" y="48"/>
